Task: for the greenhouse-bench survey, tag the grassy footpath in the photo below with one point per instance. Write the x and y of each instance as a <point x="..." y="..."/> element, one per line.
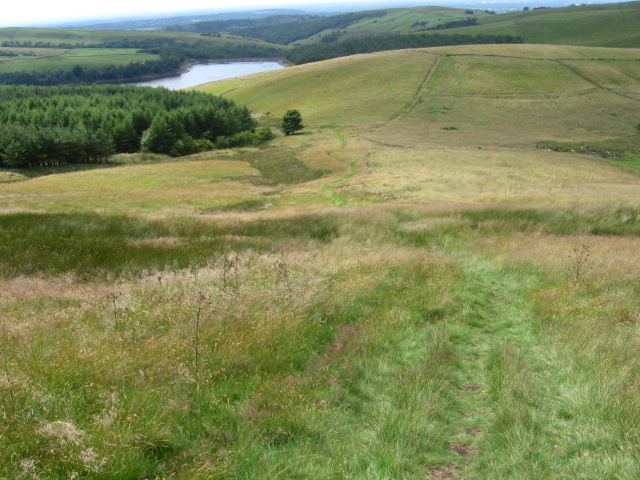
<point x="553" y="405"/>
<point x="295" y="357"/>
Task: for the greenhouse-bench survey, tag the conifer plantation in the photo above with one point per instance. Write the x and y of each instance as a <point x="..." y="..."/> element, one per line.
<point x="70" y="125"/>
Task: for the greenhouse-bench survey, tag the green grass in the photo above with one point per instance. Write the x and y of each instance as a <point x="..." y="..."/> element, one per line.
<point x="620" y="150"/>
<point x="304" y="371"/>
<point x="396" y="21"/>
<point x="402" y="20"/>
<point x="631" y="161"/>
<point x="504" y="76"/>
<point x="336" y="83"/>
<point x="67" y="62"/>
<point x="280" y="167"/>
<point x="83" y="244"/>
<point x="90" y="52"/>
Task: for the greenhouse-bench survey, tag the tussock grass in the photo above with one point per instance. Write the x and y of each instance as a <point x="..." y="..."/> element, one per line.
<point x="344" y="347"/>
<point x="620" y="221"/>
<point x="285" y="361"/>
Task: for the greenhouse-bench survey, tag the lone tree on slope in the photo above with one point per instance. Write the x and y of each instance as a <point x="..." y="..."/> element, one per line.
<point x="291" y="122"/>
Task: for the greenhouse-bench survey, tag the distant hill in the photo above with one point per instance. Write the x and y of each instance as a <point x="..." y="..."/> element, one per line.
<point x="156" y="23"/>
<point x="301" y="29"/>
<point x="604" y="25"/>
<point x="68" y="38"/>
<point x="49" y="56"/>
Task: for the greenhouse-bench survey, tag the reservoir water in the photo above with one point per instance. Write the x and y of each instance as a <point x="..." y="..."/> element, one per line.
<point x="210" y="72"/>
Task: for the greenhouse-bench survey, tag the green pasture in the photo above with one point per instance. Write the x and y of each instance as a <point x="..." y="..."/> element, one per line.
<point x="37" y="51"/>
<point x="64" y="62"/>
<point x="613" y="74"/>
<point x="91" y="52"/>
<point x="501" y="93"/>
<point x="77" y="36"/>
<point x="541" y="52"/>
<point x="338" y="98"/>
<point x="468" y="76"/>
<point x="401" y="20"/>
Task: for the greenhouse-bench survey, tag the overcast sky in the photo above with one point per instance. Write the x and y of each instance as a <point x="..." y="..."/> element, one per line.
<point x="34" y="12"/>
<point x="45" y="12"/>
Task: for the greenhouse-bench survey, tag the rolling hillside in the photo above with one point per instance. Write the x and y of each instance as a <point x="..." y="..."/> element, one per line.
<point x="425" y="283"/>
<point x="396" y="21"/>
<point x="300" y="30"/>
<point x="605" y="25"/>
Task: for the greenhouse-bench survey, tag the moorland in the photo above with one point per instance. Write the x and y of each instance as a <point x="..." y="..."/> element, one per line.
<point x="438" y="277"/>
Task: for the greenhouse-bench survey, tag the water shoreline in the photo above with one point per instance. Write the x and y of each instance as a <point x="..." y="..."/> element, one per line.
<point x="186" y="68"/>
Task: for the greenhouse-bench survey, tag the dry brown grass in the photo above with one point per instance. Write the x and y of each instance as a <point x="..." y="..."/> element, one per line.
<point x="611" y="259"/>
<point x="468" y="175"/>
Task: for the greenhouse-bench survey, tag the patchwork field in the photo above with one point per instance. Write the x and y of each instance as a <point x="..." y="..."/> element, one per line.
<point x="57" y="59"/>
<point x="426" y="282"/>
<point x="83" y="37"/>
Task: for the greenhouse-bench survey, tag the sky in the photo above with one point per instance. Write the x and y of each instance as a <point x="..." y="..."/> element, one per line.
<point x="16" y="13"/>
<point x="38" y="12"/>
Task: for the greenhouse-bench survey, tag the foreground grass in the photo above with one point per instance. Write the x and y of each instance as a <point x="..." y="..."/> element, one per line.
<point x="224" y="355"/>
<point x="326" y="356"/>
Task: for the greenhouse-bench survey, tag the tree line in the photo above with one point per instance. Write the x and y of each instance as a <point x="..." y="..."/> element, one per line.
<point x="465" y="22"/>
<point x="50" y="126"/>
<point x="324" y="51"/>
<point x="86" y="75"/>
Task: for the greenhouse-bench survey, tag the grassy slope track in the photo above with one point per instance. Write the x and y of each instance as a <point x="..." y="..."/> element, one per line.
<point x="408" y="288"/>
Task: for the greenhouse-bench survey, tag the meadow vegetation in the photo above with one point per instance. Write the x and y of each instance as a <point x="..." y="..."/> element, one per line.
<point x="412" y="287"/>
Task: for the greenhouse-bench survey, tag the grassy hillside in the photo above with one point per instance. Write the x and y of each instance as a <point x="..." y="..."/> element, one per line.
<point x="303" y="29"/>
<point x="481" y="95"/>
<point x="400" y="20"/>
<point x="606" y="25"/>
<point x="90" y="37"/>
<point x="408" y="288"/>
<point x="48" y="59"/>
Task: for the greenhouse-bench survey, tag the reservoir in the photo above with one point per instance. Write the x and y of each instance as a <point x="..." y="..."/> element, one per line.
<point x="210" y="72"/>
